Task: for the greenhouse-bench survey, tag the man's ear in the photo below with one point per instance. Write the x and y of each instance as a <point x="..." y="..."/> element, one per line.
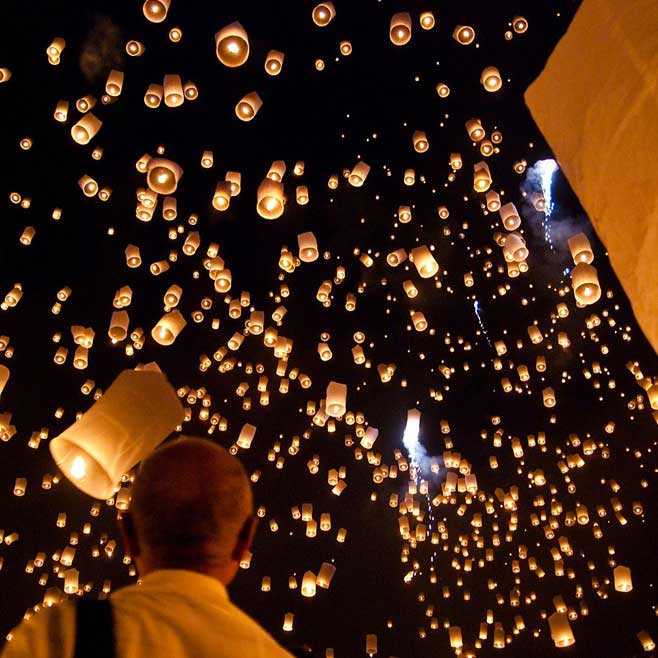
<point x="245" y="538"/>
<point x="128" y="534"/>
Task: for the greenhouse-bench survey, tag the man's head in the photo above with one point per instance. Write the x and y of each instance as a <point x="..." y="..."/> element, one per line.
<point x="191" y="508"/>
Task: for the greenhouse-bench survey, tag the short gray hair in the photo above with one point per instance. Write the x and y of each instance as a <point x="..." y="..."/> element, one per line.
<point x="190" y="500"/>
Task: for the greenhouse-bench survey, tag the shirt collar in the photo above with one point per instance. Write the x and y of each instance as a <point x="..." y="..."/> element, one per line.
<point x="183" y="580"/>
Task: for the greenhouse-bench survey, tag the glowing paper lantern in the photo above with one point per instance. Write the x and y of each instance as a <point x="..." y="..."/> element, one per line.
<point x="86" y="128"/>
<point x="581" y="249"/>
<point x="323" y="13"/>
<point x="308" y="247"/>
<point x="427" y="20"/>
<point x="114" y="83"/>
<point x="327" y="572"/>
<point x="222" y="197"/>
<point x="490" y="79"/>
<point x="475" y="130"/>
<point x="515" y="248"/>
<point x="358" y="175"/>
<point x="585" y="284"/>
<point x="246" y="436"/>
<point x="173" y="91"/>
<point x="156" y="10"/>
<point x="519" y="24"/>
<point x="274" y="62"/>
<point x="510" y="217"/>
<point x="420" y="141"/>
<point x="463" y="34"/>
<point x="153" y="96"/>
<point x="134" y="415"/>
<point x="561" y="629"/>
<point x="248" y="106"/>
<point x="134" y="48"/>
<point x="270" y="202"/>
<point x="232" y="45"/>
<point x="481" y="177"/>
<point x="168" y="328"/>
<point x="400" y="29"/>
<point x="424" y="262"/>
<point x="623" y="581"/>
<point x="163" y="176"/>
<point x="336" y="399"/>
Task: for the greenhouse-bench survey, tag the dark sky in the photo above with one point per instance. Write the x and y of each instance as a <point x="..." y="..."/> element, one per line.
<point x="364" y="106"/>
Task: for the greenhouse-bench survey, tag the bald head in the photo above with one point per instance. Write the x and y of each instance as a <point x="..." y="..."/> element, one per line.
<point x="190" y="501"/>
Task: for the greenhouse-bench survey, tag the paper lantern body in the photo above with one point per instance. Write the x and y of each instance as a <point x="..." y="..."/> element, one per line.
<point x="135" y="414"/>
<point x="232" y="45"/>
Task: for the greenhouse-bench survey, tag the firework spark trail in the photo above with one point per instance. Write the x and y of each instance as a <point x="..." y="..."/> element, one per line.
<point x="546" y="169"/>
<point x="476" y="308"/>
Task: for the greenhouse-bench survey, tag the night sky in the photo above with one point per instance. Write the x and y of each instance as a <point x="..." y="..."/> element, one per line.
<point x="361" y="107"/>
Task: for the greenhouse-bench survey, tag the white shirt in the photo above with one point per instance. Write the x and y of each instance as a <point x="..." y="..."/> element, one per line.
<point x="172" y="614"/>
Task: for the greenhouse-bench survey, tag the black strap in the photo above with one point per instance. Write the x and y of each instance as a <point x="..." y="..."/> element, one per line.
<point x="94" y="635"/>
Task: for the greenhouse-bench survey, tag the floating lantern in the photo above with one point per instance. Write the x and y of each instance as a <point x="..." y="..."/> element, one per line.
<point x="427" y="20"/>
<point x="323" y="13"/>
<point x="274" y="62"/>
<point x="168" y="328"/>
<point x="481" y="177"/>
<point x="222" y="197"/>
<point x="86" y="128"/>
<point x="248" y="106"/>
<point x="490" y="79"/>
<point x="400" y="29"/>
<point x="163" y="176"/>
<point x="581" y="249"/>
<point x="114" y="83"/>
<point x="510" y="217"/>
<point x="463" y="34"/>
<point x="585" y="284"/>
<point x="156" y="10"/>
<point x="424" y="262"/>
<point x="232" y="45"/>
<point x="336" y="397"/>
<point x="561" y="629"/>
<point x="358" y="175"/>
<point x="308" y="247"/>
<point x="270" y="202"/>
<point x="134" y="415"/>
<point x="173" y="91"/>
<point x="420" y="142"/>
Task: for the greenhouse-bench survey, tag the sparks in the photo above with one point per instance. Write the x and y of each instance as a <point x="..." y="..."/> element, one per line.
<point x="546" y="169"/>
<point x="476" y="308"/>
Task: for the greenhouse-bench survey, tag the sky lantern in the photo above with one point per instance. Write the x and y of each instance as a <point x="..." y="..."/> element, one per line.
<point x="155" y="11"/>
<point x="581" y="249"/>
<point x="424" y="262"/>
<point x="463" y="34"/>
<point x="86" y="128"/>
<point x="400" y="29"/>
<point x="323" y="13"/>
<point x="248" y="106"/>
<point x="427" y="20"/>
<point x="232" y="45"/>
<point x="491" y="79"/>
<point x="168" y="327"/>
<point x="163" y="176"/>
<point x="270" y="203"/>
<point x="274" y="62"/>
<point x="585" y="283"/>
<point x="359" y="174"/>
<point x="93" y="453"/>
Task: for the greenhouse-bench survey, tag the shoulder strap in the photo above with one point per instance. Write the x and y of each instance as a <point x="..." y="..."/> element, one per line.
<point x="94" y="635"/>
